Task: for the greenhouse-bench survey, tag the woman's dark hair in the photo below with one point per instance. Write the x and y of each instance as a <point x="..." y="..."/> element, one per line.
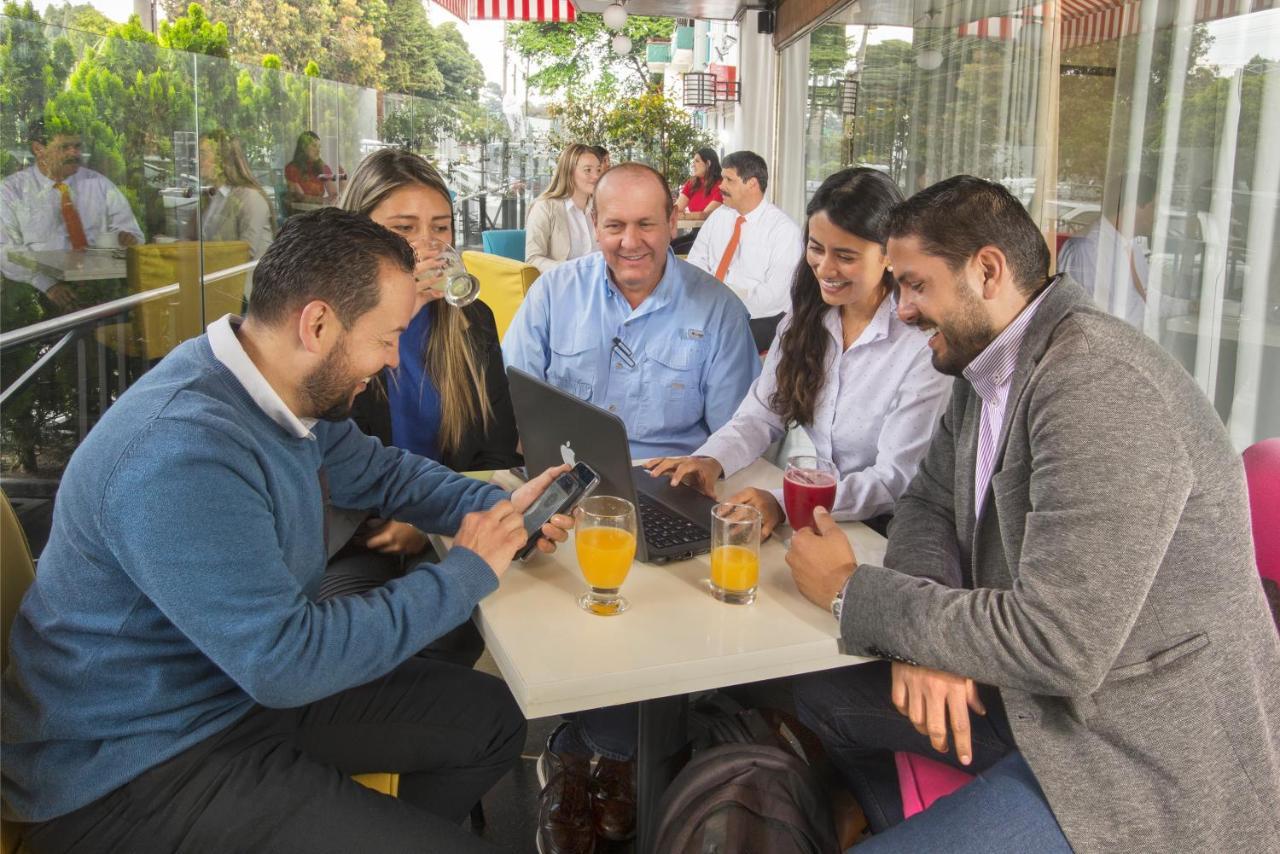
<point x="858" y="201"/>
<point x="300" y="158"/>
<point x="712" y="178"/>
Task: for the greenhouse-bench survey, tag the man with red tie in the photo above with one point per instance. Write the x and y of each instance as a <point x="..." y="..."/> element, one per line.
<point x="57" y="204"/>
<point x="750" y="244"/>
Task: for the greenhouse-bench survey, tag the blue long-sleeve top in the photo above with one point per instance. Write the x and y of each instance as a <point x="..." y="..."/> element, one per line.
<point x="176" y="588"/>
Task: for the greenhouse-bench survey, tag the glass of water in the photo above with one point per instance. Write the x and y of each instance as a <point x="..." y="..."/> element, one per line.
<point x="459" y="287"/>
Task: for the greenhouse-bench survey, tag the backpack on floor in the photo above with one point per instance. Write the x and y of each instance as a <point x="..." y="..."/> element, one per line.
<point x="750" y="789"/>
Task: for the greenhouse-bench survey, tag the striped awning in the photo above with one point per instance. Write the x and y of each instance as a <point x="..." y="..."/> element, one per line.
<point x="1093" y="21"/>
<point x="522" y="10"/>
<point x="458" y="8"/>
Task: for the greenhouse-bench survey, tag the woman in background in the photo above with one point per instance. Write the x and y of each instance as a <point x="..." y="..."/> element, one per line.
<point x="234" y="205"/>
<point x="307" y="177"/>
<point x="699" y="196"/>
<point x="558" y="227"/>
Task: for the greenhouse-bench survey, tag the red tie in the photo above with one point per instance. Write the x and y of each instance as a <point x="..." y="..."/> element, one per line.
<point x="730" y="249"/>
<point x="75" y="228"/>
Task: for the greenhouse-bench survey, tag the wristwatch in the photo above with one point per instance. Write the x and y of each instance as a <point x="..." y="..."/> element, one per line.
<point x="837" y="603"/>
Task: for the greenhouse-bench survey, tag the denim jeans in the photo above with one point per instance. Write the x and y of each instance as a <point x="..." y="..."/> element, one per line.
<point x="1002" y="810"/>
<point x="851" y="711"/>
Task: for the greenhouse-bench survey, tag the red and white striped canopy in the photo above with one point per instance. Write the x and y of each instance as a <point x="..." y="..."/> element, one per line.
<point x="522" y="10"/>
<point x="1092" y="21"/>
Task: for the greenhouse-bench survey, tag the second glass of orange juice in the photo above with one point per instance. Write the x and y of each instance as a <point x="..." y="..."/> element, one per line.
<point x="605" y="538"/>
<point x="735" y="553"/>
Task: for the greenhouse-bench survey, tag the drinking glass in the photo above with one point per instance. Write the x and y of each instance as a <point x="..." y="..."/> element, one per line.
<point x="808" y="483"/>
<point x="460" y="288"/>
<point x="605" y="536"/>
<point x="735" y="553"/>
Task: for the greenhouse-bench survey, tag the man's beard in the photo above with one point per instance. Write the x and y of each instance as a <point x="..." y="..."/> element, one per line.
<point x="329" y="388"/>
<point x="964" y="336"/>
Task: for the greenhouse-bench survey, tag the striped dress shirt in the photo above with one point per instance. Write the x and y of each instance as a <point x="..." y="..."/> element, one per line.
<point x="991" y="375"/>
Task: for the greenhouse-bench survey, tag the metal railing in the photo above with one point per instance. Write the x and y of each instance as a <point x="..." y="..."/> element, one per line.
<point x="480" y="211"/>
<point x="77" y="327"/>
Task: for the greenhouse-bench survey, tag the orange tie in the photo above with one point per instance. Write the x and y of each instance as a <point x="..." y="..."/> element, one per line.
<point x="75" y="228"/>
<point x="730" y="249"/>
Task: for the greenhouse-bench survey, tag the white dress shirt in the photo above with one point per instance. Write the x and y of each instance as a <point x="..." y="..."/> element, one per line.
<point x="582" y="240"/>
<point x="31" y="216"/>
<point x="228" y="350"/>
<point x="764" y="262"/>
<point x="874" y="418"/>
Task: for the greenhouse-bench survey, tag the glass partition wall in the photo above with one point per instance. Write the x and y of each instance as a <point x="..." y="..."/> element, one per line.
<point x="1149" y="128"/>
<point x="209" y="158"/>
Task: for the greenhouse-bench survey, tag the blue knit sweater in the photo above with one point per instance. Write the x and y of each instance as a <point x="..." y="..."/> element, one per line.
<point x="176" y="588"/>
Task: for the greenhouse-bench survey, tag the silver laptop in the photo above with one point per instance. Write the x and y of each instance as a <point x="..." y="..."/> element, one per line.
<point x="556" y="426"/>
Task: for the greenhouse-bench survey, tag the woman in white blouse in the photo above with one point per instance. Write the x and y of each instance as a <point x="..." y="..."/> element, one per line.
<point x="558" y="227"/>
<point x="842" y="365"/>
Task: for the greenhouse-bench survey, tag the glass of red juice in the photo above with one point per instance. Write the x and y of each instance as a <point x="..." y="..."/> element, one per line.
<point x="808" y="483"/>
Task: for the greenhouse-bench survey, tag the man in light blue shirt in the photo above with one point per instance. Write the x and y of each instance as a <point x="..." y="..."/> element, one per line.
<point x="636" y="331"/>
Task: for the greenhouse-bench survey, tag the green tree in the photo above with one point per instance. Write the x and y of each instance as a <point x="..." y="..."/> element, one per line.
<point x="578" y="56"/>
<point x="195" y="33"/>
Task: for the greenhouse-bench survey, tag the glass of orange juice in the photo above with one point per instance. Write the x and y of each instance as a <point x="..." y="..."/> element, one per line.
<point x="735" y="553"/>
<point x="605" y="536"/>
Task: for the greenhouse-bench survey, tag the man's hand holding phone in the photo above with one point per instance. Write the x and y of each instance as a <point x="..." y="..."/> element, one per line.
<point x="557" y="527"/>
<point x="494" y="534"/>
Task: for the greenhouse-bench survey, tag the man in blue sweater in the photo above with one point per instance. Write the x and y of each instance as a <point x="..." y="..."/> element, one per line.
<point x="174" y="684"/>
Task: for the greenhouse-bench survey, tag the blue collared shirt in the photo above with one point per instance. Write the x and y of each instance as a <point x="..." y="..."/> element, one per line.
<point x="683" y="362"/>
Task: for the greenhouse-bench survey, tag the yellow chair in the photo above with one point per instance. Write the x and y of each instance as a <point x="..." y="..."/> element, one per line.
<point x="17" y="571"/>
<point x="503" y="284"/>
<point x="156" y="327"/>
<point x="16" y="574"/>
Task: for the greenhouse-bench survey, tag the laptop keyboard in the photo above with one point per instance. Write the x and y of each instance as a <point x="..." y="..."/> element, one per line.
<point x="664" y="529"/>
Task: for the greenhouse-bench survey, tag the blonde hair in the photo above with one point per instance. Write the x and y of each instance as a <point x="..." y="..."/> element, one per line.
<point x="562" y="184"/>
<point x="234" y="165"/>
<point x="454" y="366"/>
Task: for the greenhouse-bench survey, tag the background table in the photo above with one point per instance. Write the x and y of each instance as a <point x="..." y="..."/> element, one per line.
<point x="675" y="639"/>
<point x="66" y="265"/>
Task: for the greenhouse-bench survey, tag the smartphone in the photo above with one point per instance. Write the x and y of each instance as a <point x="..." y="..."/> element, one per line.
<point x="561" y="496"/>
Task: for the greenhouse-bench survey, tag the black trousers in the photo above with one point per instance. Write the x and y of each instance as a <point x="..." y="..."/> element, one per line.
<point x="279" y="780"/>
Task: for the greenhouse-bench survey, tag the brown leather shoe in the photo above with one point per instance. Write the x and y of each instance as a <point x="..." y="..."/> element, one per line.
<point x="564" y="807"/>
<point x="613" y="799"/>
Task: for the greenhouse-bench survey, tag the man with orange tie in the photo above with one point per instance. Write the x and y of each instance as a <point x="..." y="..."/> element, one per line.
<point x="750" y="244"/>
<point x="58" y="204"/>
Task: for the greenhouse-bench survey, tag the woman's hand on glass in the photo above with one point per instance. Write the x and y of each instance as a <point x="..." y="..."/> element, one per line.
<point x="771" y="513"/>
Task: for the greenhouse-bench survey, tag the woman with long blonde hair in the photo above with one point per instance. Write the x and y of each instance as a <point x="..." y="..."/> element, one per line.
<point x="558" y="227"/>
<point x="448" y="398"/>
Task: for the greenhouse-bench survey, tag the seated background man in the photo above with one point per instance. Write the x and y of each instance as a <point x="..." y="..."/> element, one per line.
<point x="173" y="683"/>
<point x="1116" y="250"/>
<point x="58" y="204"/>
<point x="750" y="244"/>
<point x="1073" y="562"/>
<point x="668" y="349"/>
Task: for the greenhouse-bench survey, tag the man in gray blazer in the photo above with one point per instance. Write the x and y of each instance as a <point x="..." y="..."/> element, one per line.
<point x="1072" y="562"/>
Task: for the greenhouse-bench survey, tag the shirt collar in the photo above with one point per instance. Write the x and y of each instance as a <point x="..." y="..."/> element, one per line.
<point x="876" y="329"/>
<point x="757" y="212"/>
<point x="990" y="371"/>
<point x="228" y="350"/>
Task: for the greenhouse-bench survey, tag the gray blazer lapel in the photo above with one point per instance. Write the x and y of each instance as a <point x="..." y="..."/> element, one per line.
<point x="1064" y="297"/>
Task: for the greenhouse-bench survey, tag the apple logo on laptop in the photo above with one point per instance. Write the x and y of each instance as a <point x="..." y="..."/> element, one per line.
<point x="567" y="454"/>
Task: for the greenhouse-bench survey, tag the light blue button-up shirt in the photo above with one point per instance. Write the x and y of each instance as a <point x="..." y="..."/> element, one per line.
<point x="673" y="369"/>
